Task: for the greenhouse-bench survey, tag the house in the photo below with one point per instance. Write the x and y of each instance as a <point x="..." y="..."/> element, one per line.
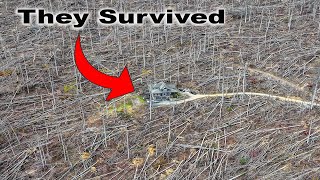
<point x="162" y="92"/>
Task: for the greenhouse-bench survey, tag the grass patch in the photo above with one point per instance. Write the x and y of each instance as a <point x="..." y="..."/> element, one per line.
<point x="140" y="98"/>
<point x="69" y="87"/>
<point x="176" y="95"/>
<point x="229" y="108"/>
<point x="6" y="72"/>
<point x="243" y="160"/>
<point x="128" y="106"/>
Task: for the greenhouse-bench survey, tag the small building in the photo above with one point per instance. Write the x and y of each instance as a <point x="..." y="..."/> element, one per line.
<point x="162" y="92"/>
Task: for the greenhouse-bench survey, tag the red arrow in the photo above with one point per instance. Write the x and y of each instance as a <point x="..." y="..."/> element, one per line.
<point x="119" y="85"/>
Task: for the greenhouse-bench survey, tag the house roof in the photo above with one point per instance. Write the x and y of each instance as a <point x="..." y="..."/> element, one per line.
<point x="162" y="87"/>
